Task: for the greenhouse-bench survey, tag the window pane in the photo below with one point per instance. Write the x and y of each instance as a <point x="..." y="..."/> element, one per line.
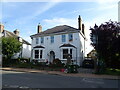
<point x="41" y="53"/>
<point x="37" y="40"/>
<point x="42" y="39"/>
<point x="52" y="39"/>
<point x="36" y="53"/>
<point x="71" y="53"/>
<point x="70" y="37"/>
<point x="63" y="38"/>
<point x="65" y="53"/>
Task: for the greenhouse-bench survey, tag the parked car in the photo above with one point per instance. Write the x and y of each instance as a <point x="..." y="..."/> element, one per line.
<point x="88" y="63"/>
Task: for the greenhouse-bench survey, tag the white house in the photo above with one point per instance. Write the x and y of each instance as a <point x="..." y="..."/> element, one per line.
<point x="25" y="52"/>
<point x="58" y="42"/>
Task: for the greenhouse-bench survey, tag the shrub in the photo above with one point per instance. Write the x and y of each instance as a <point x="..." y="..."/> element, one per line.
<point x="24" y="60"/>
<point x="56" y="63"/>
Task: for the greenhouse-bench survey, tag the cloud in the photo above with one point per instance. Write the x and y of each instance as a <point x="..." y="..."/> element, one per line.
<point x="106" y="1"/>
<point x="60" y="21"/>
<point x="39" y="11"/>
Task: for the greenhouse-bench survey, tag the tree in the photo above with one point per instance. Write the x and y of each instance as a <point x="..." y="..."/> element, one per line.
<point x="106" y="40"/>
<point x="10" y="46"/>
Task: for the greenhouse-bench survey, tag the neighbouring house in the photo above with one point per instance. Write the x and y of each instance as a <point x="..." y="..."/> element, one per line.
<point x="25" y="52"/>
<point x="58" y="42"/>
<point x="0" y="50"/>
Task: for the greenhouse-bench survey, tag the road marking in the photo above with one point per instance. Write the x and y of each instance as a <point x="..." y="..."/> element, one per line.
<point x="90" y="80"/>
<point x="7" y="72"/>
<point x="23" y="87"/>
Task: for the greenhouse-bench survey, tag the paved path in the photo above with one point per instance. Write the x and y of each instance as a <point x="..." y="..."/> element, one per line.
<point x="62" y="73"/>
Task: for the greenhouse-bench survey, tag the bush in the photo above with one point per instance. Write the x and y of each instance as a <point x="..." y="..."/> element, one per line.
<point x="72" y="68"/>
<point x="24" y="60"/>
<point x="5" y="62"/>
<point x="56" y="63"/>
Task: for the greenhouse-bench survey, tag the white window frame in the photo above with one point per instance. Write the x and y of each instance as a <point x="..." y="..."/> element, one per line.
<point x="40" y="54"/>
<point x="37" y="54"/>
<point x="70" y="37"/>
<point x="37" y="40"/>
<point x="68" y="52"/>
<point x="63" y="38"/>
<point x="42" y="42"/>
<point x="52" y="39"/>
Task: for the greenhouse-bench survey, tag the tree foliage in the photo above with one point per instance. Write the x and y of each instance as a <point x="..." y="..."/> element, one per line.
<point x="106" y="40"/>
<point x="10" y="46"/>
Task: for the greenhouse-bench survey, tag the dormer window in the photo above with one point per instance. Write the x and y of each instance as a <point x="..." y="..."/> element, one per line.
<point x="70" y="36"/>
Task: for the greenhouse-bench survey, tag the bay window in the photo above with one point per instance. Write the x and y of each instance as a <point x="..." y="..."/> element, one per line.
<point x="36" y="54"/>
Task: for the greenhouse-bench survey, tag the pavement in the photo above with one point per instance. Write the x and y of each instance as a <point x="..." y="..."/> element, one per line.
<point x="87" y="75"/>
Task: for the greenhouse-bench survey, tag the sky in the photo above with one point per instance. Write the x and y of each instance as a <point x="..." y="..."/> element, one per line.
<point x="25" y="16"/>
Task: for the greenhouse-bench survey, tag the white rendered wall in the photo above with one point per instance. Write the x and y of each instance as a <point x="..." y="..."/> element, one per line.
<point x="77" y="39"/>
<point x="26" y="51"/>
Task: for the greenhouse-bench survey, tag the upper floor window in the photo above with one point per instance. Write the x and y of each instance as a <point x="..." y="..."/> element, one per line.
<point x="70" y="36"/>
<point x="42" y="39"/>
<point x="63" y="38"/>
<point x="52" y="39"/>
<point x="37" y="40"/>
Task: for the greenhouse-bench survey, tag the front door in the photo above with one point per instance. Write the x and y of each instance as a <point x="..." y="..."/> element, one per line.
<point x="52" y="56"/>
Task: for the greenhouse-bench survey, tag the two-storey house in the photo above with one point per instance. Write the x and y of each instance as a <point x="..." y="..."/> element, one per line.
<point x="58" y="42"/>
<point x="25" y="51"/>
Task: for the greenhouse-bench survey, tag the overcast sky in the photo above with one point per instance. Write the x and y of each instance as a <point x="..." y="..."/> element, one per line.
<point x="25" y="16"/>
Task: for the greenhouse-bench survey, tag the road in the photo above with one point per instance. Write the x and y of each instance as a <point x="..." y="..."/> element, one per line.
<point x="38" y="80"/>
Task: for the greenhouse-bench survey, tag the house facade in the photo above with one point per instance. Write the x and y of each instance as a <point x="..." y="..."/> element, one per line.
<point x="25" y="52"/>
<point x="59" y="42"/>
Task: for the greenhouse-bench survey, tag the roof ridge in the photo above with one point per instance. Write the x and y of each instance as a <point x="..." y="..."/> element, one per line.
<point x="18" y="36"/>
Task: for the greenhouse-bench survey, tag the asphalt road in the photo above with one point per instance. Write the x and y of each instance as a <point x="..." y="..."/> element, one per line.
<point x="38" y="80"/>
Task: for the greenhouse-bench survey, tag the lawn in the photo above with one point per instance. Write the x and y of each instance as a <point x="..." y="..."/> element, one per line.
<point x="111" y="71"/>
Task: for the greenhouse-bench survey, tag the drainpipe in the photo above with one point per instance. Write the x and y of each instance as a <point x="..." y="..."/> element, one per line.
<point x="76" y="55"/>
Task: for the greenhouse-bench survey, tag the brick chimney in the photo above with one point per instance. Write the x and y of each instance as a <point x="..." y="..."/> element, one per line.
<point x="16" y="32"/>
<point x="39" y="28"/>
<point x="1" y="27"/>
<point x="79" y="23"/>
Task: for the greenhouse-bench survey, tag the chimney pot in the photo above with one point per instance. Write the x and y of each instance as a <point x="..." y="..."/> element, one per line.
<point x="79" y="23"/>
<point x="16" y="32"/>
<point x="1" y="27"/>
<point x="83" y="29"/>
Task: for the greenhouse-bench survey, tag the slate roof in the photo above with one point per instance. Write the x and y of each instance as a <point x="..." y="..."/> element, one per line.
<point x="57" y="29"/>
<point x="11" y="34"/>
